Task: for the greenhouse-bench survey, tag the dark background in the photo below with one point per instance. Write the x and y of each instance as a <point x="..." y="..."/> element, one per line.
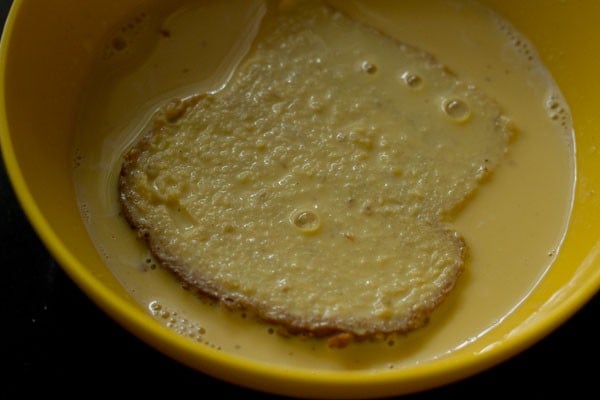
<point x="54" y="340"/>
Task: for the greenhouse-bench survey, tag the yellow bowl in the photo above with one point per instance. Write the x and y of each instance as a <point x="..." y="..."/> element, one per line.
<point x="37" y="153"/>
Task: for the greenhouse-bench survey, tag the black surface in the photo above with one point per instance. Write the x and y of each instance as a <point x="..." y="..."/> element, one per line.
<point x="54" y="340"/>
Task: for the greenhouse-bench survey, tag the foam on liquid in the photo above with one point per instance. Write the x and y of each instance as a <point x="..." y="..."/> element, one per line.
<point x="513" y="225"/>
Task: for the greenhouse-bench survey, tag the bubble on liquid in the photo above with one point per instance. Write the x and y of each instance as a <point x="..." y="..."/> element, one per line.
<point x="146" y="264"/>
<point x="120" y="41"/>
<point x="557" y="111"/>
<point x="166" y="33"/>
<point x="149" y="262"/>
<point x="103" y="252"/>
<point x="412" y="80"/>
<point x="77" y="159"/>
<point x="456" y="109"/>
<point x="85" y="212"/>
<point x="154" y="307"/>
<point x="178" y="322"/>
<point x="306" y="221"/>
<point x="555" y="105"/>
<point x="519" y="43"/>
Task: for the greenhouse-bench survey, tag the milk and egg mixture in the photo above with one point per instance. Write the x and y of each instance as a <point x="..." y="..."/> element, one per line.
<point x="513" y="225"/>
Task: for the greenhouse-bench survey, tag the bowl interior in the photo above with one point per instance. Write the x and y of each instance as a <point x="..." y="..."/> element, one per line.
<point x="38" y="104"/>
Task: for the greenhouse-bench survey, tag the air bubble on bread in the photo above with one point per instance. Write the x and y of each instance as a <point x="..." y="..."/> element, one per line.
<point x="307" y="221"/>
<point x="412" y="80"/>
<point x="456" y="109"/>
<point x="368" y="67"/>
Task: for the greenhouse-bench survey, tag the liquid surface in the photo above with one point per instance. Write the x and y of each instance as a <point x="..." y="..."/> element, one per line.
<point x="513" y="225"/>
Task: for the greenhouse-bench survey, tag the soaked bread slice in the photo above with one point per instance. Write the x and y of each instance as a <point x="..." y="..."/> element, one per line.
<point x="313" y="188"/>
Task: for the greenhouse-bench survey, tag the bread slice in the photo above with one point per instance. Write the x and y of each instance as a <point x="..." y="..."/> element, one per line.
<point x="312" y="189"/>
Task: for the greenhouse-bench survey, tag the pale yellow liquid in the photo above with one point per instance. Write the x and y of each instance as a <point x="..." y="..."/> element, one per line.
<point x="513" y="225"/>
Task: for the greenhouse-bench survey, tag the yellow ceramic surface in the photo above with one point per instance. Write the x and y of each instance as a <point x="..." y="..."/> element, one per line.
<point x="46" y="50"/>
